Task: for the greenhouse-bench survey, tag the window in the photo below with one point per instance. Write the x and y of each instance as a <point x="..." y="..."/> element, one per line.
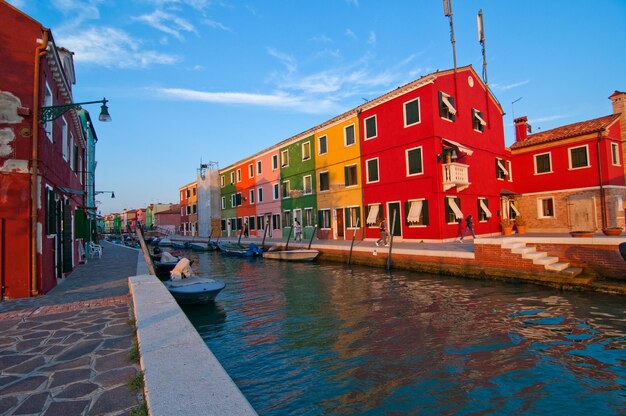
<point x="323" y="219"/>
<point x="370" y="128"/>
<point x="276" y="194"/>
<point x="74" y="149"/>
<point x="307" y="185"/>
<point x="284" y="155"/>
<point x="349" y="135"/>
<point x="51" y="212"/>
<point x="275" y="221"/>
<point x="501" y="171"/>
<point x="188" y="192"/>
<point x="239" y="223"/>
<point x="286" y="219"/>
<point x="188" y="209"/>
<point x="307" y="219"/>
<point x="372" y="170"/>
<point x="350" y="175"/>
<point x="414" y="161"/>
<point x="615" y="154"/>
<point x="233" y="201"/>
<point x="483" y="210"/>
<point x="259" y="192"/>
<point x="324" y="181"/>
<point x="274" y="162"/>
<point x="238" y="198"/>
<point x="223" y="225"/>
<point x="446" y="106"/>
<point x="64" y="138"/>
<point x="374" y="215"/>
<point x="222" y="181"/>
<point x="478" y="121"/>
<point x="232" y="177"/>
<point x="353" y="217"/>
<point x="259" y="167"/>
<point x="251" y="170"/>
<point x="193" y="191"/>
<point x="322" y="145"/>
<point x="543" y="163"/>
<point x="251" y="223"/>
<point x="47" y="102"/>
<point x="453" y="210"/>
<point x="259" y="221"/>
<point x="578" y="157"/>
<point x="238" y="175"/>
<point x="411" y="112"/>
<point x="545" y="207"/>
<point x="194" y="209"/>
<point x="306" y="151"/>
<point x="223" y="202"/>
<point x="251" y="196"/>
<point x="416" y="212"/>
<point x="286" y="189"/>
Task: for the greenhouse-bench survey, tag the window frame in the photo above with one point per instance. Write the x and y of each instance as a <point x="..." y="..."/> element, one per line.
<point x="346" y="176"/>
<point x="327" y="181"/>
<point x="259" y="167"/>
<point x="540" y="211"/>
<point x="448" y="209"/>
<point x="445" y="112"/>
<point x="322" y="215"/>
<point x="569" y="157"/>
<point x="478" y="121"/>
<point x="238" y="175"/>
<point x="421" y="159"/>
<point x="48" y="101"/>
<point x="251" y="170"/>
<point x="347" y="217"/>
<point x="223" y="202"/>
<point x="424" y="214"/>
<point x="65" y="129"/>
<point x="222" y="181"/>
<point x="284" y="161"/>
<point x="276" y="192"/>
<point x="275" y="162"/>
<point x="232" y="177"/>
<point x="419" y="112"/>
<point x="319" y="145"/>
<point x="482" y="215"/>
<point x="536" y="165"/>
<point x="367" y="137"/>
<point x="306" y="144"/>
<point x="286" y="189"/>
<point x="251" y="196"/>
<point x="345" y="135"/>
<point x="615" y="160"/>
<point x="259" y="193"/>
<point x="367" y="167"/>
<point x="304" y="180"/>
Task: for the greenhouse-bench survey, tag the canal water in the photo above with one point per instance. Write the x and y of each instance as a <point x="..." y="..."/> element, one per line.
<point x="325" y="339"/>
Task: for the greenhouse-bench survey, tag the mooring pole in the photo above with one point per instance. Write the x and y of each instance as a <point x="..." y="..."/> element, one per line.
<point x="264" y="234"/>
<point x="352" y="244"/>
<point x="312" y="235"/>
<point x="288" y="238"/>
<point x="240" y="234"/>
<point x="146" y="253"/>
<point x="393" y="225"/>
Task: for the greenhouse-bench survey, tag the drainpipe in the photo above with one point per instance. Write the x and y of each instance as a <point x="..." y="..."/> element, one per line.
<point x="40" y="52"/>
<point x="363" y="175"/>
<point x="602" y="196"/>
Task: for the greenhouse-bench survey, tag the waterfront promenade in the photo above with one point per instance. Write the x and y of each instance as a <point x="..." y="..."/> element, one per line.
<point x="68" y="352"/>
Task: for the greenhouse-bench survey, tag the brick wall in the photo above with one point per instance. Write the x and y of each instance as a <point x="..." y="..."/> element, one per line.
<point x="602" y="261"/>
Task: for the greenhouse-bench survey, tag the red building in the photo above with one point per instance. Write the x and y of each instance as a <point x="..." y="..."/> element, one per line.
<point x="432" y="152"/>
<point x="185" y="208"/>
<point x="246" y="195"/>
<point x="574" y="174"/>
<point x="42" y="178"/>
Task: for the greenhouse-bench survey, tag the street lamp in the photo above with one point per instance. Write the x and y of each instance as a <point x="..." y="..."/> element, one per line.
<point x="53" y="112"/>
<point x="106" y="192"/>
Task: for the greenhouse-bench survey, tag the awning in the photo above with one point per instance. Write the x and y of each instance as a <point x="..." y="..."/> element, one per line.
<point x="484" y="207"/>
<point x="514" y="208"/>
<point x="448" y="104"/>
<point x="373" y="214"/>
<point x="415" y="211"/>
<point x="479" y="118"/>
<point x="501" y="165"/>
<point x="506" y="192"/>
<point x="459" y="146"/>
<point x="455" y="208"/>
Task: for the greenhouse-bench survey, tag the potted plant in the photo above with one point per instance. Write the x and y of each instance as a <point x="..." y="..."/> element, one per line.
<point x="582" y="233"/>
<point x="520" y="224"/>
<point x="507" y="226"/>
<point x="612" y="231"/>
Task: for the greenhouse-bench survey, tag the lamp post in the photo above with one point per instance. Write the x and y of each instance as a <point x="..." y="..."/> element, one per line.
<point x="53" y="112"/>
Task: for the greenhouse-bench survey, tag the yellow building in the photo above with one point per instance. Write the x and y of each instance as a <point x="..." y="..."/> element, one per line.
<point x="338" y="174"/>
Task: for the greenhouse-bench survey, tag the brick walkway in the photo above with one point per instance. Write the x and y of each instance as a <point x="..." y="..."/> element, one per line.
<point x="67" y="352"/>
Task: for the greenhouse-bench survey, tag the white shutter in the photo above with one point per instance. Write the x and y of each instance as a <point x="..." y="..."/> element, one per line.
<point x="455" y="208"/>
<point x="373" y="214"/>
<point x="415" y="211"/>
<point x="501" y="165"/>
<point x="515" y="208"/>
<point x="448" y="104"/>
<point x="484" y="207"/>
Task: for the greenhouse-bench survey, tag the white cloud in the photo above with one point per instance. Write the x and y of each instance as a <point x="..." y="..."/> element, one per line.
<point x="277" y="100"/>
<point x="322" y="39"/>
<point x="167" y="23"/>
<point x="111" y="47"/>
<point x="371" y="40"/>
<point x="547" y="118"/>
<point x="18" y="4"/>
<point x="80" y="10"/>
<point x="353" y="2"/>
<point x="216" y="25"/>
<point x="350" y="34"/>
<point x="286" y="59"/>
<point x="500" y="87"/>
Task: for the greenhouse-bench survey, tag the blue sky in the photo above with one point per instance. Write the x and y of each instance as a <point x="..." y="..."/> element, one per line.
<point x="201" y="80"/>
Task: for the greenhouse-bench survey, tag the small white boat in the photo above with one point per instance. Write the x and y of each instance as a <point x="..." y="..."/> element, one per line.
<point x="189" y="289"/>
<point x="292" y="255"/>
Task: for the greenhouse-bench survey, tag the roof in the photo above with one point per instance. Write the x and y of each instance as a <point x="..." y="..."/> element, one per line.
<point x="565" y="132"/>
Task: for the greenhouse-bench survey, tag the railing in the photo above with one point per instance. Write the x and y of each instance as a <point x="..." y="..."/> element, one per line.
<point x="455" y="174"/>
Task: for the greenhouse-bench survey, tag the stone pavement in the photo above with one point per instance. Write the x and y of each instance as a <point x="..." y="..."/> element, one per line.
<point x="67" y="352"/>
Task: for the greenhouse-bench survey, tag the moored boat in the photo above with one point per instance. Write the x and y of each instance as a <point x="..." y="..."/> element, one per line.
<point x="292" y="255"/>
<point x="241" y="250"/>
<point x="189" y="289"/>
<point x="180" y="244"/>
<point x="165" y="242"/>
<point x="202" y="246"/>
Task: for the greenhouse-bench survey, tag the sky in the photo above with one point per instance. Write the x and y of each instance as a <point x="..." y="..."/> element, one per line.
<point x="192" y="81"/>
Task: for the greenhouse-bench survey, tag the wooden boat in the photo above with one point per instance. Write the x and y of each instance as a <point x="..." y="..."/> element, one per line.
<point x="180" y="244"/>
<point x="203" y="247"/>
<point x="166" y="264"/>
<point x="240" y="250"/>
<point x="165" y="242"/>
<point x="194" y="289"/>
<point x="292" y="255"/>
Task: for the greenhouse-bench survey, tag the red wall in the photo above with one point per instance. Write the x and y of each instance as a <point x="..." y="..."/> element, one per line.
<point x="246" y="209"/>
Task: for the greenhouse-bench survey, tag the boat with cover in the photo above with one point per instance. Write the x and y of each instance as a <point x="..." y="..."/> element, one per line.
<point x="180" y="244"/>
<point x="189" y="289"/>
<point x="166" y="264"/>
<point x="165" y="242"/>
<point x="291" y="255"/>
<point x="241" y="250"/>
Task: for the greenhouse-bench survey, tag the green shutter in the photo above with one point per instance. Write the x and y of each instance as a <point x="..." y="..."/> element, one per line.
<point x="425" y="212"/>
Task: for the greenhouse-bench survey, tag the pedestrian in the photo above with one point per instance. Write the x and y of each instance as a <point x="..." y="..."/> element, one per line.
<point x="384" y="236"/>
<point x="297" y="228"/>
<point x="245" y="229"/>
<point x="468" y="227"/>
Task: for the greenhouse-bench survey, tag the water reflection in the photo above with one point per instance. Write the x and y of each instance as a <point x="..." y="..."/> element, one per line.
<point x="317" y="339"/>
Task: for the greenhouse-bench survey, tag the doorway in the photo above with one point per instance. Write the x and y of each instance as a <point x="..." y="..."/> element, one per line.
<point x="339" y="222"/>
<point x="393" y="210"/>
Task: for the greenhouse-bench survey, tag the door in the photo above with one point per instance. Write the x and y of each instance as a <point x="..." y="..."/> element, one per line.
<point x="58" y="241"/>
<point x="395" y="226"/>
<point x="268" y="224"/>
<point x="67" y="238"/>
<point x="582" y="213"/>
<point x="339" y="222"/>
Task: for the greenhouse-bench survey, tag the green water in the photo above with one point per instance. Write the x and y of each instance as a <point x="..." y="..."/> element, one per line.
<point x="324" y="339"/>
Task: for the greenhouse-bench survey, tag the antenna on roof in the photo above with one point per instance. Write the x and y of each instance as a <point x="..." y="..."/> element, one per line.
<point x="447" y="11"/>
<point x="481" y="40"/>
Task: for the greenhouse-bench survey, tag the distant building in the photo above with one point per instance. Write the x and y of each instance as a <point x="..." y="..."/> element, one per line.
<point x="168" y="221"/>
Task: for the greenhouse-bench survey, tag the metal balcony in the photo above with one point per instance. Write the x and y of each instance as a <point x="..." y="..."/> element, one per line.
<point x="455" y="174"/>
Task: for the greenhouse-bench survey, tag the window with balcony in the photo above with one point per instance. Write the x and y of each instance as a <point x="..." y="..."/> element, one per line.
<point x="543" y="164"/>
<point x="411" y="112"/>
<point x="446" y="106"/>
<point x="416" y="212"/>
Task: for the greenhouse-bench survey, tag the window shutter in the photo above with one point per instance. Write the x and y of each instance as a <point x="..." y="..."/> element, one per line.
<point x="407" y="207"/>
<point x="425" y="212"/>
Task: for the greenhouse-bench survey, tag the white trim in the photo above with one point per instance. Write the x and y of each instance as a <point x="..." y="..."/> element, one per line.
<point x="569" y="157"/>
<point x="462" y="148"/>
<point x="365" y="127"/>
<point x="372" y="214"/>
<point x="406" y="160"/>
<point x="345" y="136"/>
<point x="282" y="159"/>
<point x="238" y="175"/>
<point x="540" y="214"/>
<point x="276" y="192"/>
<point x="251" y="199"/>
<point x="310" y="183"/>
<point x="458" y="214"/>
<point x="349" y="207"/>
<point x="367" y="168"/>
<point x="259" y="167"/>
<point x="501" y="165"/>
<point x="419" y="111"/>
<point x="275" y="162"/>
<point x="306" y="144"/>
<point x="479" y="118"/>
<point x="615" y="152"/>
<point x="287" y="193"/>
<point x="222" y="181"/>
<point x="535" y="163"/>
<point x="484" y="207"/>
<point x="251" y="170"/>
<point x="259" y="194"/>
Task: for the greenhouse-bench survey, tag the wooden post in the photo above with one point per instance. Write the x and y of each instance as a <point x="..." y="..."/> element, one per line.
<point x="288" y="238"/>
<point x="312" y="235"/>
<point x="393" y="225"/>
<point x="352" y="244"/>
<point x="146" y="253"/>
<point x="264" y="235"/>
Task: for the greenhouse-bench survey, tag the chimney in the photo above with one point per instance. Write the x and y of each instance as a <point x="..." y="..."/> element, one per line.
<point x="521" y="128"/>
<point x="619" y="107"/>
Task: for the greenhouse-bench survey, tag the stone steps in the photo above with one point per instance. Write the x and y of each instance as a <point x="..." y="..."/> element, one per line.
<point x="550" y="263"/>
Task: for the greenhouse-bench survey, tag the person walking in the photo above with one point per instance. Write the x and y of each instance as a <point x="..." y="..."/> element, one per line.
<point x="245" y="229"/>
<point x="297" y="228"/>
<point x="468" y="227"/>
<point x="384" y="236"/>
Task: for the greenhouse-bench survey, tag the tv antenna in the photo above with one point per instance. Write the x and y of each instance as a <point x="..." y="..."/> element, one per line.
<point x="513" y="106"/>
<point x="481" y="40"/>
<point x="447" y="11"/>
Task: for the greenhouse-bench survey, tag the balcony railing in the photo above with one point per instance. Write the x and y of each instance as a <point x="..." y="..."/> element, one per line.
<point x="455" y="174"/>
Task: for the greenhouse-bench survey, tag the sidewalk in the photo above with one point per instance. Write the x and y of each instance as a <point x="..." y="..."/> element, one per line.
<point x="67" y="352"/>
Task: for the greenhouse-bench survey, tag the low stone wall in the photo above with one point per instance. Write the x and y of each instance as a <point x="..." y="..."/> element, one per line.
<point x="597" y="260"/>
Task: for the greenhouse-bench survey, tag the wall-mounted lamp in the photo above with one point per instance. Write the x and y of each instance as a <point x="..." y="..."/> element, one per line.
<point x="53" y="112"/>
<point x="106" y="192"/>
